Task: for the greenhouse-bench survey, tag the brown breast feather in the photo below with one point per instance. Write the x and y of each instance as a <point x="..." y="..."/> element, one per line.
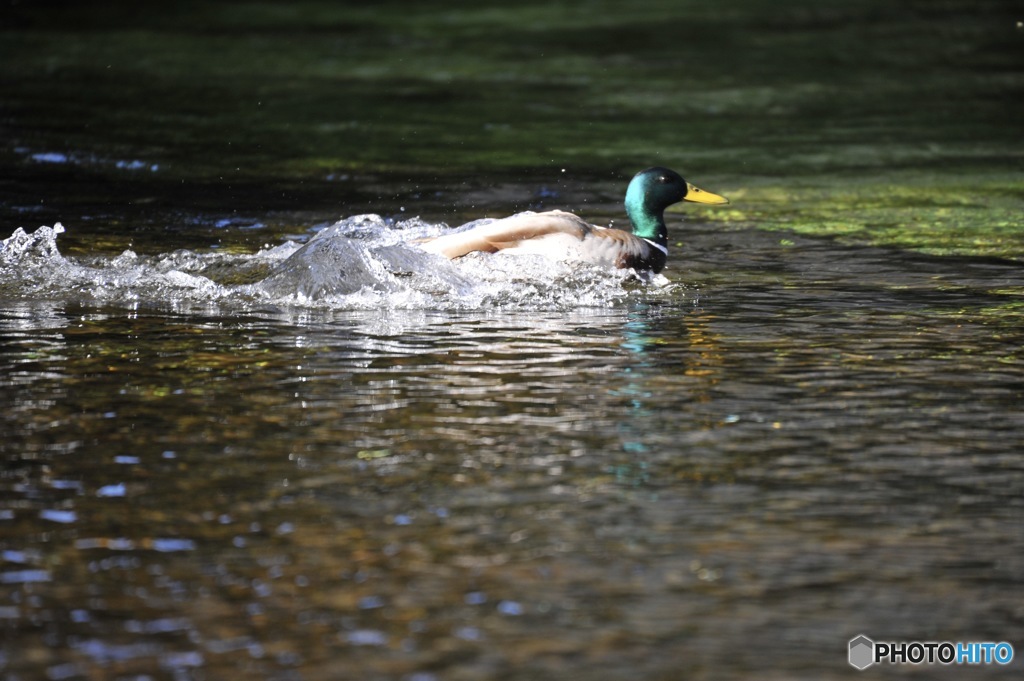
<point x="623" y="249"/>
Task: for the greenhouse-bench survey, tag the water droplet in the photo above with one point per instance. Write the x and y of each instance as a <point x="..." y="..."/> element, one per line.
<point x="469" y="633"/>
<point x="117" y="490"/>
<point x="475" y="598"/>
<point x="171" y="545"/>
<point x="58" y="516"/>
<point x="366" y="637"/>
<point x="24" y="576"/>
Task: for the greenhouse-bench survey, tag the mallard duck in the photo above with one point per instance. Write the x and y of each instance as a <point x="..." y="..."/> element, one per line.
<point x="564" y="236"/>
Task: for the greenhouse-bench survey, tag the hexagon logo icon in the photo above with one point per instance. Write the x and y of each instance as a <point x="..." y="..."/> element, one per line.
<point x="862" y="652"/>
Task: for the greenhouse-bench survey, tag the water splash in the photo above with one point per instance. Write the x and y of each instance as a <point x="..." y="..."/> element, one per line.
<point x="361" y="262"/>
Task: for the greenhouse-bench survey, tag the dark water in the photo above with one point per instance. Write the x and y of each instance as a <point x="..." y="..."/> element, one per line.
<point x="238" y="440"/>
<point x="233" y="123"/>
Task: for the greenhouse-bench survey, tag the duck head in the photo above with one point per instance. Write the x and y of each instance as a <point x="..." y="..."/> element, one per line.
<point x="653" y="190"/>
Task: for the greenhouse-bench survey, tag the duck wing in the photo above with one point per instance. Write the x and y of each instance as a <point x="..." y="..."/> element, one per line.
<point x="510" y="233"/>
<point x="557" y="235"/>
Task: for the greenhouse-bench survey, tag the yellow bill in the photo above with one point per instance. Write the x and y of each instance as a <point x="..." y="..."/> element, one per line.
<point x="698" y="195"/>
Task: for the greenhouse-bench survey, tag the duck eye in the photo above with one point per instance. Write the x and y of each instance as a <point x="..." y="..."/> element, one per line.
<point x="662" y="179"/>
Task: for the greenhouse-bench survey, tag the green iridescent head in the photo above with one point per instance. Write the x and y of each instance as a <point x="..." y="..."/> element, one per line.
<point x="653" y="190"/>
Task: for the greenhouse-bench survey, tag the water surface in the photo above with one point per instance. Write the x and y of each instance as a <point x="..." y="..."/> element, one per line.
<point x="738" y="470"/>
<point x="241" y="439"/>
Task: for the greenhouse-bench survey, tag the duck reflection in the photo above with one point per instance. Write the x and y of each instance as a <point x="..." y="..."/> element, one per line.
<point x="666" y="367"/>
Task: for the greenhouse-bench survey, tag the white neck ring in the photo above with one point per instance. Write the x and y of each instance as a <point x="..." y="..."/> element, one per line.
<point x="663" y="249"/>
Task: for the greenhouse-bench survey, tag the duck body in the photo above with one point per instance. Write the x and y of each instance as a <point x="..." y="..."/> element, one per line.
<point x="554" y="234"/>
<point x="563" y="236"/>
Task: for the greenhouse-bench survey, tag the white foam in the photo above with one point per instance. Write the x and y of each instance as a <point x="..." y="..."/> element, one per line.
<point x="359" y="263"/>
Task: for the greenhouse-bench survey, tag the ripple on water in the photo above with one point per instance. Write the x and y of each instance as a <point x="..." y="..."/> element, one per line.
<point x="793" y="452"/>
